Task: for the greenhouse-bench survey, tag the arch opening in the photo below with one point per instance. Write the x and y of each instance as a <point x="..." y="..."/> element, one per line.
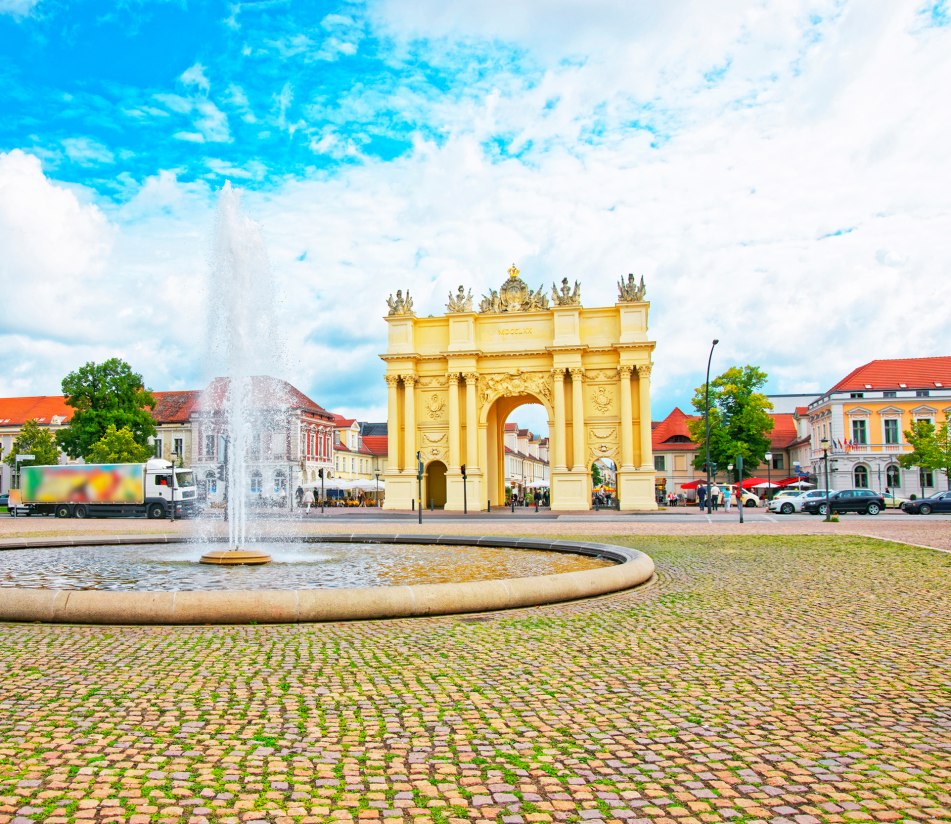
<point x="517" y="442"/>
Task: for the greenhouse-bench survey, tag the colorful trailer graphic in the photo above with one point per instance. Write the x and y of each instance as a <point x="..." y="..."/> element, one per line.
<point x="86" y="484"/>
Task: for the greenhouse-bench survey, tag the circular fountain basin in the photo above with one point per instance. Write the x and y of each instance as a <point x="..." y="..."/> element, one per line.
<point x="302" y="585"/>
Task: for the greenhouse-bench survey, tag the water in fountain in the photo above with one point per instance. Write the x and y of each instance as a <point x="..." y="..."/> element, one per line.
<point x="244" y="405"/>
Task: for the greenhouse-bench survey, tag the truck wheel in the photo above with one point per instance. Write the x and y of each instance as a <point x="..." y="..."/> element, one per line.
<point x="155" y="511"/>
<point x="81" y="512"/>
<point x="61" y="511"/>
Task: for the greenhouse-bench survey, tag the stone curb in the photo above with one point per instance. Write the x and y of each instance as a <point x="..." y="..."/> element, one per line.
<point x="323" y="605"/>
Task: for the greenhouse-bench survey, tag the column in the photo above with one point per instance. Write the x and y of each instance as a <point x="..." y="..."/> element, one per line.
<point x="453" y="384"/>
<point x="472" y="427"/>
<point x="561" y="462"/>
<point x="409" y="423"/>
<point x="577" y="417"/>
<point x="392" y="423"/>
<point x="644" y="405"/>
<point x="627" y="417"/>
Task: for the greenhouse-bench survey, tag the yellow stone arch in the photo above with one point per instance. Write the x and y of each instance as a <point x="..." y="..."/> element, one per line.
<point x="453" y="379"/>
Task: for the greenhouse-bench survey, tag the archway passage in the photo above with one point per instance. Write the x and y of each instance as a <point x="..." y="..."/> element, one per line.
<point x="517" y="435"/>
<point x="436" y="485"/>
<point x="453" y="380"/>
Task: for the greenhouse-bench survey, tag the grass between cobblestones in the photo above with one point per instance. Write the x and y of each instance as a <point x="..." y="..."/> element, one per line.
<point x="761" y="678"/>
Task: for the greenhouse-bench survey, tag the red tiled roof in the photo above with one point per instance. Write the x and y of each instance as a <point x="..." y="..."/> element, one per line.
<point x="511" y="427"/>
<point x="341" y="421"/>
<point x="784" y="430"/>
<point x="673" y="426"/>
<point x="266" y="392"/>
<point x="376" y="444"/>
<point x="42" y="409"/>
<point x="174" y="407"/>
<point x="915" y="373"/>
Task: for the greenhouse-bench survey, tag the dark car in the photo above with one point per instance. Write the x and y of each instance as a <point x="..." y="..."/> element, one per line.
<point x="847" y="500"/>
<point x="925" y="506"/>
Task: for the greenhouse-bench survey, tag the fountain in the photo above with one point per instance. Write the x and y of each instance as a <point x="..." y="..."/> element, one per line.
<point x="244" y="345"/>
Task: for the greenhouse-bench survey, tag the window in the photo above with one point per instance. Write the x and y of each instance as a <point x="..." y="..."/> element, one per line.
<point x="925" y="477"/>
<point x="211" y="483"/>
<point x="922" y="393"/>
<point x="158" y="447"/>
<point x="889" y="393"/>
<point x="660" y="463"/>
<point x="861" y="477"/>
<point x="779" y="462"/>
<point x="891" y="430"/>
<point x="856" y="394"/>
<point x="256" y="482"/>
<point x="859" y="432"/>
<point x="892" y="476"/>
<point x="280" y="482"/>
<point x="179" y="448"/>
<point x="209" y="446"/>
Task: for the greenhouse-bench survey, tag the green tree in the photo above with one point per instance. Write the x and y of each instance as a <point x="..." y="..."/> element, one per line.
<point x="103" y="395"/>
<point x="739" y="419"/>
<point x="597" y="478"/>
<point x="118" y="446"/>
<point x="931" y="447"/>
<point x="34" y="440"/>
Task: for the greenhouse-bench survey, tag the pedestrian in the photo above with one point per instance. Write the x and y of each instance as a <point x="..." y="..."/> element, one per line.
<point x="715" y="494"/>
<point x="702" y="495"/>
<point x="308" y="499"/>
<point x="727" y="497"/>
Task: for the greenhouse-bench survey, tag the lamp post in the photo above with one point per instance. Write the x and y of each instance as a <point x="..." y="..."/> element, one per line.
<point x="465" y="503"/>
<point x="377" y="473"/>
<point x="824" y="443"/>
<point x="706" y="415"/>
<point x="768" y="457"/>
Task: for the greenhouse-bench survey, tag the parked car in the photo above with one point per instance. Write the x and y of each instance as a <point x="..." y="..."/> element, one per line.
<point x="847" y="500"/>
<point x="749" y="499"/>
<point x="794" y="503"/>
<point x="893" y="501"/>
<point x="925" y="506"/>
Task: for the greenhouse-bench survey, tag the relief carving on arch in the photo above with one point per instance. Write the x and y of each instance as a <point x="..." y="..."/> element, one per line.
<point x="516" y="383"/>
<point x="602" y="398"/>
<point x="436" y="406"/>
<point x="603" y="443"/>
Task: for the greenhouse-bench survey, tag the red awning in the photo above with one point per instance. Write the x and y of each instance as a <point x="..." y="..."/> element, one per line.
<point x="749" y="483"/>
<point x="788" y="481"/>
<point x="692" y="484"/>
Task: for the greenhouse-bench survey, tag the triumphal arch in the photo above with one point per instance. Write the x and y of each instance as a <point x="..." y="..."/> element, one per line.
<point x="453" y="379"/>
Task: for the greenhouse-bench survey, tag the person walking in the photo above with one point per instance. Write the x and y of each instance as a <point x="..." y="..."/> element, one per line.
<point x="715" y="494"/>
<point x="701" y="495"/>
<point x="308" y="499"/>
<point x="727" y="497"/>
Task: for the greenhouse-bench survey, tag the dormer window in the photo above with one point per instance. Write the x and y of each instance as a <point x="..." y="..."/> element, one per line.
<point x="856" y="394"/>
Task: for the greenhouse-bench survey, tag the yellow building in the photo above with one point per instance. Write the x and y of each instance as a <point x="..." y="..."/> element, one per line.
<point x="454" y="379"/>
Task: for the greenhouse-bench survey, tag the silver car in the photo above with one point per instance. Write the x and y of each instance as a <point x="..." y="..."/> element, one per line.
<point x="793" y="503"/>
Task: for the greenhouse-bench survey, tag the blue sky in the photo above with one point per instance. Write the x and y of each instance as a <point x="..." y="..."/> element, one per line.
<point x="776" y="170"/>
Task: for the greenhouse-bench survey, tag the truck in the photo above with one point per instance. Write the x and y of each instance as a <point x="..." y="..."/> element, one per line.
<point x="149" y="489"/>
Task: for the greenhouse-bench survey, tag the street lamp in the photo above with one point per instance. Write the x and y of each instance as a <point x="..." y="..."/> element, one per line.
<point x="768" y="457"/>
<point x="377" y="473"/>
<point x="706" y="415"/>
<point x="824" y="443"/>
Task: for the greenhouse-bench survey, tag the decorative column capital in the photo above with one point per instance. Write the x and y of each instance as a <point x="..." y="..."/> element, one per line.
<point x="472" y="378"/>
<point x="625" y="371"/>
<point x="577" y="373"/>
<point x="409" y="380"/>
<point x="452" y="376"/>
<point x="392" y="380"/>
<point x="558" y="374"/>
<point x="644" y="370"/>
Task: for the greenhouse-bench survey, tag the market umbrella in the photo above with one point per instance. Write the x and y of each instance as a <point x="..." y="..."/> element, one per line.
<point x="766" y="485"/>
<point x="800" y="484"/>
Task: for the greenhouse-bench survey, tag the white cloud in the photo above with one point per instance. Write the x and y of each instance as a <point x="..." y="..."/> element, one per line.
<point x="18" y="8"/>
<point x="195" y="75"/>
<point x="87" y="152"/>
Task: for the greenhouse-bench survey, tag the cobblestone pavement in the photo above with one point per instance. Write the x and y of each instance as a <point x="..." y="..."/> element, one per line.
<point x="774" y="678"/>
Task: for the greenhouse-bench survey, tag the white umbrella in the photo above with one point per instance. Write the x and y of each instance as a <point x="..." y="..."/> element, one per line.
<point x="800" y="484"/>
<point x="766" y="485"/>
<point x="538" y="485"/>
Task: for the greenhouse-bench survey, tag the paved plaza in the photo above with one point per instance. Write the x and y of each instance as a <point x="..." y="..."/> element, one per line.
<point x="770" y="676"/>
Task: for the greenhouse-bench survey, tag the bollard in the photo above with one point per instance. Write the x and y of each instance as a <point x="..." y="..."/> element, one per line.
<point x="412" y="505"/>
<point x="488" y="505"/>
<point x="513" y="504"/>
<point x="431" y="507"/>
<point x="536" y="504"/>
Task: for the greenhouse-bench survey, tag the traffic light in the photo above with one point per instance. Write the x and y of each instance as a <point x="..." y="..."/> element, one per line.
<point x="419" y="464"/>
<point x="320" y="472"/>
<point x="463" y="468"/>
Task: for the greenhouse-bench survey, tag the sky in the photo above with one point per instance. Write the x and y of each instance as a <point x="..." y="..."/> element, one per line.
<point x="778" y="172"/>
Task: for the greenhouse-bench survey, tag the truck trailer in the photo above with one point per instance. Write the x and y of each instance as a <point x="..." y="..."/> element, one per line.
<point x="110" y="490"/>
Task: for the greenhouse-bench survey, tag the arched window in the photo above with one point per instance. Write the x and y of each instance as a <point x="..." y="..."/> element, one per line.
<point x="256" y="482"/>
<point x="280" y="482"/>
<point x="211" y="482"/>
<point x="861" y="476"/>
<point x="893" y="476"/>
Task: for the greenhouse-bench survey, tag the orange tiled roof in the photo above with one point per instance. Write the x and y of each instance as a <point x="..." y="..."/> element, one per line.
<point x="915" y="373"/>
<point x="673" y="426"/>
<point x="42" y="409"/>
<point x="376" y="444"/>
<point x="784" y="430"/>
<point x="266" y="392"/>
<point x="174" y="407"/>
<point x="340" y="420"/>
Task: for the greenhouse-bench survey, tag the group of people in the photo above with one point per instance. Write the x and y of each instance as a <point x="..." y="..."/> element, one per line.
<point x="723" y="496"/>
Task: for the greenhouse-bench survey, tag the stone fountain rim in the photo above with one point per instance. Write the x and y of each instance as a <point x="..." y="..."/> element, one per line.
<point x="191" y="607"/>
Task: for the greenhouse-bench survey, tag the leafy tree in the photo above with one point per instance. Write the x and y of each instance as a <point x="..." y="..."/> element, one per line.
<point x="739" y="419"/>
<point x="118" y="446"/>
<point x="34" y="440"/>
<point x="103" y="395"/>
<point x="596" y="477"/>
<point x="931" y="447"/>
